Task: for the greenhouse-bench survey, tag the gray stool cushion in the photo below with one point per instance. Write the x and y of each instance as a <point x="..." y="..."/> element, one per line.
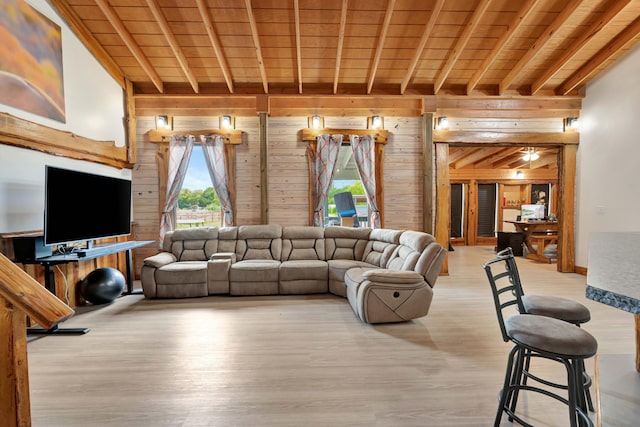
<point x="551" y="335"/>
<point x="556" y="307"/>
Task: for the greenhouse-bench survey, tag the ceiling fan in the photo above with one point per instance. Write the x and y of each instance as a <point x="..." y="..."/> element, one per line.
<point x="530" y="154"/>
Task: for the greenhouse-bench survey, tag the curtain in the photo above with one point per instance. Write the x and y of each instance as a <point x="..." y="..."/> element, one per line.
<point x="364" y="156"/>
<point x="180" y="148"/>
<point x="327" y="151"/>
<point x="214" y="154"/>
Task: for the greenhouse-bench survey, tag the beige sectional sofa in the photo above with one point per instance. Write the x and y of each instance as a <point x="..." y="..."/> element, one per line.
<point x="386" y="275"/>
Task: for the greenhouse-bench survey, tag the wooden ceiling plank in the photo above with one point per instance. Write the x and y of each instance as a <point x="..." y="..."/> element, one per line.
<point x="88" y="39"/>
<point x="498" y="155"/>
<point x="256" y="42"/>
<point x="461" y="43"/>
<point x="618" y="43"/>
<point x="296" y="10"/>
<point x="611" y="12"/>
<point x="343" y="24"/>
<point x="173" y="43"/>
<point x="383" y="35"/>
<point x="428" y="29"/>
<point x="472" y="158"/>
<point x="537" y="46"/>
<point x="520" y="17"/>
<point x="215" y="43"/>
<point x="128" y="40"/>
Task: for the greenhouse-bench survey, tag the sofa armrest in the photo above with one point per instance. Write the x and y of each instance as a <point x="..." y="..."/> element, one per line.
<point x="159" y="260"/>
<point x="224" y="255"/>
<point x="393" y="276"/>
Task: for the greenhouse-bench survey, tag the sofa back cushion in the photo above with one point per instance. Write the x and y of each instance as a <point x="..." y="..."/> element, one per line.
<point x="381" y="245"/>
<point x="259" y="242"/>
<point x="192" y="244"/>
<point x="406" y="255"/>
<point x="227" y="238"/>
<point x="345" y="242"/>
<point x="303" y="243"/>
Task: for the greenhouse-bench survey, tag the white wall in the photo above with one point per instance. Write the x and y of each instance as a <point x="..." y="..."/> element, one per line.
<point x="608" y="187"/>
<point x="94" y="105"/>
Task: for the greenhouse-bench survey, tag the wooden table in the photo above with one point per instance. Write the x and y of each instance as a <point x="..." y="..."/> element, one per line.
<point x="542" y="233"/>
<point x="613" y="274"/>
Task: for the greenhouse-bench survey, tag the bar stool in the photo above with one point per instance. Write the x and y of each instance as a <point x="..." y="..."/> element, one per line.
<point x="538" y="336"/>
<point x="550" y="306"/>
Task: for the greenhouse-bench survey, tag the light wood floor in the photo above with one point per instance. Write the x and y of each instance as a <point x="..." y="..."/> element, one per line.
<point x="299" y="360"/>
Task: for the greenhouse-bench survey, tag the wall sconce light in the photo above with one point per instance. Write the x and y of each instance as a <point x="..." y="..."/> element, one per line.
<point x="442" y="123"/>
<point x="163" y="122"/>
<point x="227" y="122"/>
<point x="519" y="174"/>
<point x="316" y="122"/>
<point x="571" y="123"/>
<point x="375" y="122"/>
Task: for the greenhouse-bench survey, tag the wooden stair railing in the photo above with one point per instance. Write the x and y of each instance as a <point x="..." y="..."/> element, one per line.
<point x="21" y="296"/>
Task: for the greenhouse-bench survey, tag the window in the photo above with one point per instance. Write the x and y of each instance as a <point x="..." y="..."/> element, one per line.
<point x="198" y="204"/>
<point x="486" y="210"/>
<point x="346" y="178"/>
<point x="457" y="210"/>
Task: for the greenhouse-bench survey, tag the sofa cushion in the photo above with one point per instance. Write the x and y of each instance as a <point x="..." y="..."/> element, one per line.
<point x="303" y="243"/>
<point x="182" y="272"/>
<point x="194" y="244"/>
<point x="259" y="242"/>
<point x="337" y="270"/>
<point x="254" y="270"/>
<point x="382" y="243"/>
<point x="345" y="242"/>
<point x="304" y="269"/>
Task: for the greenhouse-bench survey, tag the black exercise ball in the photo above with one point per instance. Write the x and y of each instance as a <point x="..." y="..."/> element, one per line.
<point x="102" y="285"/>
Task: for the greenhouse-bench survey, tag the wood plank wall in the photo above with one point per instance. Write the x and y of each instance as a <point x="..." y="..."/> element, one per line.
<point x="288" y="173"/>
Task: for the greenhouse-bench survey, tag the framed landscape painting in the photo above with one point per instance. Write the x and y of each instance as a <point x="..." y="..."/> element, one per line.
<point x="30" y="61"/>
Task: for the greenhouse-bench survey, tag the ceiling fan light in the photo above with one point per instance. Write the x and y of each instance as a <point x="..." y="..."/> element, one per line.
<point x="526" y="157"/>
<point x="534" y="156"/>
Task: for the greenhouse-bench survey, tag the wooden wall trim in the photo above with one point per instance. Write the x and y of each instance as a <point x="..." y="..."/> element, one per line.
<point x="264" y="169"/>
<point x="470" y="138"/>
<point x="233" y="137"/>
<point x="566" y="209"/>
<point x="380" y="136"/>
<point x="443" y="200"/>
<point x="427" y="173"/>
<point x="26" y="134"/>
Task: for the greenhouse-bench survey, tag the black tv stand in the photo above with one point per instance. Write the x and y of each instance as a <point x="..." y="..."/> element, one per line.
<point x="90" y="253"/>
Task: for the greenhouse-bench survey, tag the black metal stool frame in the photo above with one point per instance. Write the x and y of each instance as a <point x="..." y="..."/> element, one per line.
<point x="520" y="356"/>
<point x="514" y="277"/>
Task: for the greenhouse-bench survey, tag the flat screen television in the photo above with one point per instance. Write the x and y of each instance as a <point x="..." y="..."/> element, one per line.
<point x="532" y="212"/>
<point x="81" y="206"/>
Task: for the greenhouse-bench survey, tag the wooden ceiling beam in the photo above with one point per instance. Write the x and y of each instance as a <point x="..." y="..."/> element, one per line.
<point x="173" y="43"/>
<point x="383" y="35"/>
<point x="428" y="29"/>
<point x="537" y="46"/>
<point x="489" y="162"/>
<point x="131" y="44"/>
<point x="343" y="25"/>
<point x="256" y="42"/>
<point x="215" y="43"/>
<point x="87" y="38"/>
<point x="474" y="157"/>
<point x="460" y="44"/>
<point x="520" y="17"/>
<point x="621" y="40"/>
<point x="296" y="13"/>
<point x="574" y="48"/>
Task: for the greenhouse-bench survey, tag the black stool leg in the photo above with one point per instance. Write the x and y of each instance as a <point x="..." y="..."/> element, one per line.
<point x="505" y="396"/>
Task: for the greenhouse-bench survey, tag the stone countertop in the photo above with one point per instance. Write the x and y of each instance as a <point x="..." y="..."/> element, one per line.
<point x="613" y="272"/>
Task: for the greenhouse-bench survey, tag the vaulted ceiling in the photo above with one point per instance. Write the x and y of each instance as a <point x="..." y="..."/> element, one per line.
<point x="356" y="47"/>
